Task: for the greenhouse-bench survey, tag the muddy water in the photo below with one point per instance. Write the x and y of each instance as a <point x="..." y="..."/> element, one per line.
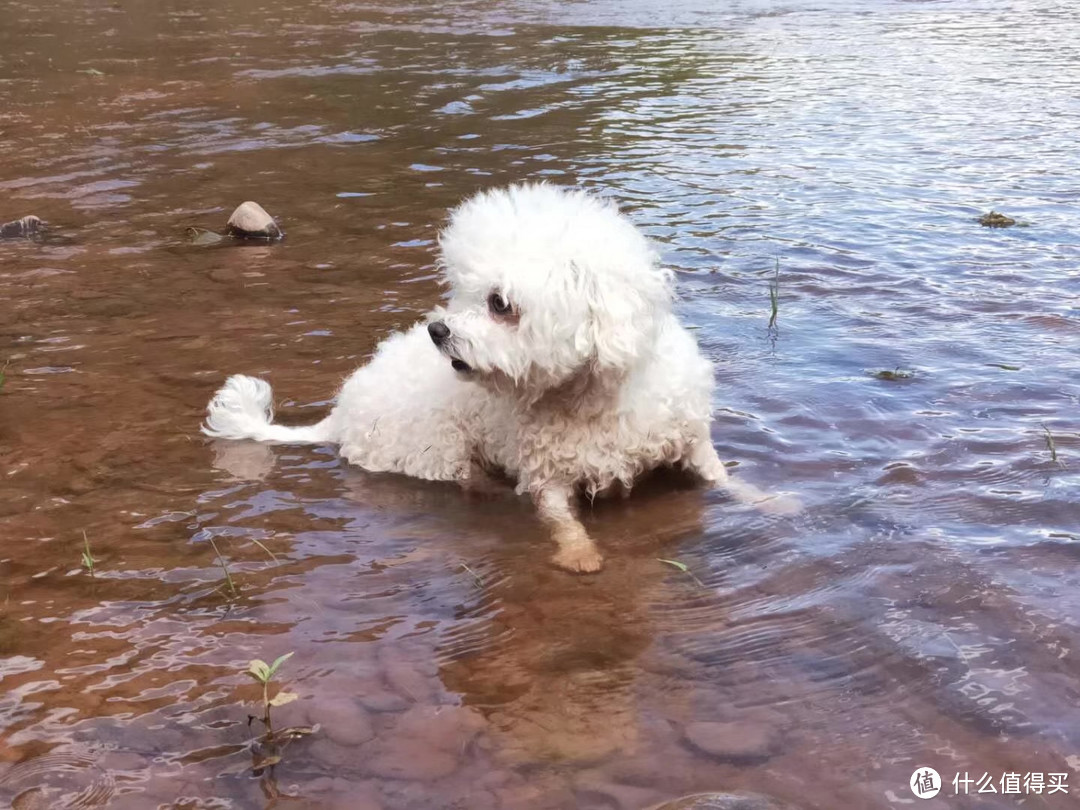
<point x="922" y="611"/>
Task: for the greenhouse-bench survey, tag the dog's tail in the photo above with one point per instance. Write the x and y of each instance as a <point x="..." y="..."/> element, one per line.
<point x="243" y="408"/>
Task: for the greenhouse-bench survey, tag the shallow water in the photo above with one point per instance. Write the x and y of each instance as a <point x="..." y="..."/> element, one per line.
<point x="922" y="611"/>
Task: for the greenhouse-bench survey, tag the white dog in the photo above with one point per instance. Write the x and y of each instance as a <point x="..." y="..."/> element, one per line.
<point x="557" y="361"/>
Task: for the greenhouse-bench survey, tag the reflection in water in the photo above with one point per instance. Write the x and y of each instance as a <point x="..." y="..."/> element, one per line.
<point x="921" y="612"/>
<point x="555" y="670"/>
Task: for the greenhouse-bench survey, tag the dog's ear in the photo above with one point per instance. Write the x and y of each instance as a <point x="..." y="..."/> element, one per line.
<point x="624" y="310"/>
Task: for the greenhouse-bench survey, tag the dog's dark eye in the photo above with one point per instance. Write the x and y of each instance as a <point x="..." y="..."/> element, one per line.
<point x="498" y="304"/>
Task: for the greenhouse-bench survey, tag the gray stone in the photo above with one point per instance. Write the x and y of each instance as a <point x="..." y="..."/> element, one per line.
<point x="250" y="221"/>
<point x="723" y="801"/>
<point x="740" y="742"/>
<point x="21" y="228"/>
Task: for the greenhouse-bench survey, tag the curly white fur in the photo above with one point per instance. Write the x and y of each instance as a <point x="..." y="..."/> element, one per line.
<point x="557" y="360"/>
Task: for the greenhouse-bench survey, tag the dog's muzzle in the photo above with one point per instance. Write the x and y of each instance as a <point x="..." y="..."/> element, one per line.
<point x="440" y="334"/>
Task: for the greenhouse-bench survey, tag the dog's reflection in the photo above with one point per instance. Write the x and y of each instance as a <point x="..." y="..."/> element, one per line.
<point x="551" y="659"/>
<point x="245" y="461"/>
<point x="554" y="662"/>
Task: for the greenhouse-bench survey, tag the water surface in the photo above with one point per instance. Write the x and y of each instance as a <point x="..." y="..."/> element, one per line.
<point x="922" y="611"/>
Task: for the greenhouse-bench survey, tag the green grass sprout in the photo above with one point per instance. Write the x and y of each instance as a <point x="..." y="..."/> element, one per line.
<point x="228" y="577"/>
<point x="87" y="558"/>
<point x="681" y="566"/>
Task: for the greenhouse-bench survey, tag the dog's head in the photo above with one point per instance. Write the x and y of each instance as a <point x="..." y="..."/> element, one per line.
<point x="545" y="285"/>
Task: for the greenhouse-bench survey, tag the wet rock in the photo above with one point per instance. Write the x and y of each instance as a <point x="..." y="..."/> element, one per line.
<point x="740" y="742"/>
<point x="996" y="220"/>
<point x="722" y="801"/>
<point x="21" y="228"/>
<point x="250" y="221"/>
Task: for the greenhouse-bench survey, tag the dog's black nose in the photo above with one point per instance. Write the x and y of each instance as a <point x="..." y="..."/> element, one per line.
<point x="439" y="332"/>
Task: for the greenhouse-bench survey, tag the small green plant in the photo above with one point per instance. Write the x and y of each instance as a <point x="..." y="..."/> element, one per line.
<point x="684" y="568"/>
<point x="233" y="591"/>
<point x="268" y="750"/>
<point x="3" y="377"/>
<point x="87" y="558"/>
<point x="774" y="295"/>
<point x="264" y="673"/>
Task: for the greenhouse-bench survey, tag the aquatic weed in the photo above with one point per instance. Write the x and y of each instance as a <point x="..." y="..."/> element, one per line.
<point x="681" y="566"/>
<point x="1050" y="445"/>
<point x="774" y="295"/>
<point x="87" y="558"/>
<point x="234" y="592"/>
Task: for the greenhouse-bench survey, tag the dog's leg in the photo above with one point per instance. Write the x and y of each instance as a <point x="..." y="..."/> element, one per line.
<point x="577" y="551"/>
<point x="481" y="484"/>
<point x="705" y="463"/>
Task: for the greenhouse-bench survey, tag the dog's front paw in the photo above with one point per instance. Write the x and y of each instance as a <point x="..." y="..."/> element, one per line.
<point x="579" y="559"/>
